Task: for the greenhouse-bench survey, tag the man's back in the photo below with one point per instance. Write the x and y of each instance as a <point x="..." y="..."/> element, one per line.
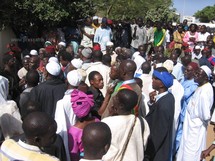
<point x="47" y="94"/>
<point x="11" y="150"/>
<point x="120" y="128"/>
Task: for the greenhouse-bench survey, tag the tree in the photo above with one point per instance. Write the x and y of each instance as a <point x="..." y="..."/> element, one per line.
<point x="120" y="9"/>
<point x="23" y="14"/>
<point x="207" y="14"/>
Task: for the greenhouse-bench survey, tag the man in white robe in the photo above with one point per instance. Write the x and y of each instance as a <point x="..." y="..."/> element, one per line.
<point x="64" y="115"/>
<point x="196" y="119"/>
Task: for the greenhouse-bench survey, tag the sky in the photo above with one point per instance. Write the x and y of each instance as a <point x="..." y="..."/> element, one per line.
<point x="189" y="7"/>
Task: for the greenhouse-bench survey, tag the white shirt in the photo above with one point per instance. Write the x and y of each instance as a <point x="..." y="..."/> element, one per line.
<point x="65" y="118"/>
<point x="140" y="38"/>
<point x="203" y="37"/>
<point x="120" y="127"/>
<point x="177" y="71"/>
<point x="86" y="41"/>
<point x="196" y="120"/>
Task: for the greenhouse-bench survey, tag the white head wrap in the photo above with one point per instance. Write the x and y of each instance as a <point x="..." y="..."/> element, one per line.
<point x="109" y="43"/>
<point x="74" y="78"/>
<point x="197" y="47"/>
<point x="53" y="59"/>
<point x="53" y="68"/>
<point x="207" y="70"/>
<point x="62" y="44"/>
<point x="95" y="17"/>
<point x="87" y="53"/>
<point x="77" y="63"/>
<point x="168" y="64"/>
<point x="33" y="52"/>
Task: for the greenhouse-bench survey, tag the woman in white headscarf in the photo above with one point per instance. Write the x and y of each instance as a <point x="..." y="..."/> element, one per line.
<point x="10" y="119"/>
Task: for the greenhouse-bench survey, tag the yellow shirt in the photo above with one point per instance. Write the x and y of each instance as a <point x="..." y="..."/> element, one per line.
<point x="12" y="150"/>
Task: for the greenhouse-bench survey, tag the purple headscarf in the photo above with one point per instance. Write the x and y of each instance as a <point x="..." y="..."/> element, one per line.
<point x="81" y="103"/>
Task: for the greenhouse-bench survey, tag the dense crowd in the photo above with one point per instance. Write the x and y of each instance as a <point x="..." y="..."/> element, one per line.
<point x="111" y="91"/>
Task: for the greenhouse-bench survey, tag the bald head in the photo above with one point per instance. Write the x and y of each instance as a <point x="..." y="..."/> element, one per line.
<point x="96" y="140"/>
<point x="127" y="69"/>
<point x="97" y="55"/>
<point x="124" y="97"/>
<point x="39" y="129"/>
<point x="32" y="78"/>
<point x="146" y="67"/>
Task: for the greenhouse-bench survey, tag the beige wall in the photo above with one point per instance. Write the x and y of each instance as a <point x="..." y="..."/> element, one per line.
<point x="6" y="36"/>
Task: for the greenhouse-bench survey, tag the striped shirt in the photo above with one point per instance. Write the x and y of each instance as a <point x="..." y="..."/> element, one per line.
<point x="14" y="151"/>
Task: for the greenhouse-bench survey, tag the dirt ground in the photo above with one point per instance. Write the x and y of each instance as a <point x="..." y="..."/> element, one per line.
<point x="210" y="139"/>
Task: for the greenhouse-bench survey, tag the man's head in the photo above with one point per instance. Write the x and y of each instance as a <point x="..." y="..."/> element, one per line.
<point x="42" y="53"/>
<point x="190" y="70"/>
<point x="114" y="71"/>
<point x="207" y="52"/>
<point x="104" y="22"/>
<point x="146" y="67"/>
<point x="174" y="57"/>
<point x="39" y="129"/>
<point x="97" y="56"/>
<point x="64" y="58"/>
<point x="203" y="29"/>
<point x="197" y="50"/>
<point x="106" y="60"/>
<point x="96" y="80"/>
<point x="160" y="49"/>
<point x="9" y="60"/>
<point x="161" y="79"/>
<point x="61" y="46"/>
<point x="127" y="69"/>
<point x="32" y="78"/>
<point x="122" y="103"/>
<point x="96" y="140"/>
<point x="185" y="60"/>
<point x="185" y="22"/>
<point x="34" y="63"/>
<point x="95" y="20"/>
<point x="140" y="22"/>
<point x="159" y="25"/>
<point x="53" y="70"/>
<point x="86" y="54"/>
<point x="202" y="75"/>
<point x="142" y="50"/>
<point x="109" y="48"/>
<point x="210" y="43"/>
<point x="180" y="28"/>
<point x="25" y="62"/>
<point x="88" y="21"/>
<point x="73" y="79"/>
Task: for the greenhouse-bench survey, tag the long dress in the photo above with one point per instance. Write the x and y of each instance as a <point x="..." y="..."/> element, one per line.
<point x="196" y="119"/>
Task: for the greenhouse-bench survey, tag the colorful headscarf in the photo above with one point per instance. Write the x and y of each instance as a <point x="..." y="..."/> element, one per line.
<point x="81" y="103"/>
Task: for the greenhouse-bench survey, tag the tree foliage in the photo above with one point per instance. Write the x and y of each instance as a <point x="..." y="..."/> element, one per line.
<point x="207" y="14"/>
<point x="26" y="15"/>
<point x="120" y="9"/>
<point x="43" y="13"/>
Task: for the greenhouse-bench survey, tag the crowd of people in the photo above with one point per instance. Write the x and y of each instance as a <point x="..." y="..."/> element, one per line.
<point x="127" y="91"/>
